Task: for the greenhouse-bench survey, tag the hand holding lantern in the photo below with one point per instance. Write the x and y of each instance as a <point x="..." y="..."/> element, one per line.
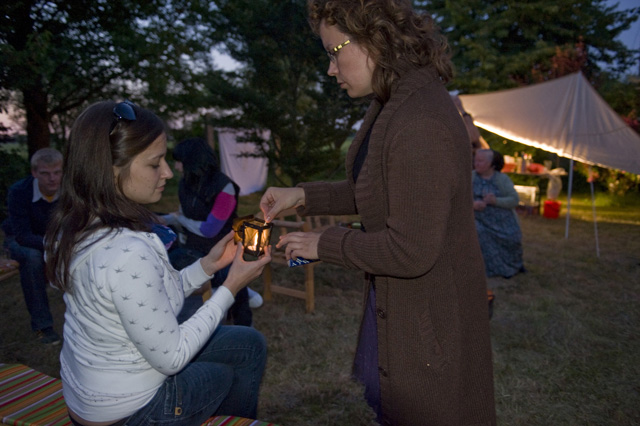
<point x="220" y="255"/>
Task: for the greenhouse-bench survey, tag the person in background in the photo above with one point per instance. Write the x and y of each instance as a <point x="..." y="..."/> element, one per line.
<point x="30" y="202"/>
<point x="424" y="351"/>
<point x="477" y="141"/>
<point x="494" y="203"/>
<point x="125" y="358"/>
<point x="208" y="205"/>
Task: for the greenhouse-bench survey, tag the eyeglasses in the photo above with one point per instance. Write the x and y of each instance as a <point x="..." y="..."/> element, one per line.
<point x="333" y="56"/>
<point x="123" y="111"/>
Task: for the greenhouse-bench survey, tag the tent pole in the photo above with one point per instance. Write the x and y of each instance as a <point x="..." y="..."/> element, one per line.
<point x="566" y="228"/>
<point x="593" y="208"/>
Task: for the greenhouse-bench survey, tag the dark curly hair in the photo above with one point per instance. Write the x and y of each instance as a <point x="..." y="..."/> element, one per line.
<point x="396" y="36"/>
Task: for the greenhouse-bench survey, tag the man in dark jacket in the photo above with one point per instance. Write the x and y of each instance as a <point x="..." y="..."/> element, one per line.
<point x="30" y="202"/>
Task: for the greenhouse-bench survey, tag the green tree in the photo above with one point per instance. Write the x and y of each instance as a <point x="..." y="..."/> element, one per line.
<point x="58" y="56"/>
<point x="496" y="44"/>
<point x="282" y="86"/>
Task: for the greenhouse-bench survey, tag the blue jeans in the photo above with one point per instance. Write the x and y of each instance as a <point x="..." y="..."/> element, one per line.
<point x="34" y="283"/>
<point x="223" y="379"/>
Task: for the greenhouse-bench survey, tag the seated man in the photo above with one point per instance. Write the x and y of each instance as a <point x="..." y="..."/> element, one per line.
<point x="30" y="202"/>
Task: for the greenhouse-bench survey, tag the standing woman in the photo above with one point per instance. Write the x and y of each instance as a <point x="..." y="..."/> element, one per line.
<point x="424" y="353"/>
<point x="125" y="359"/>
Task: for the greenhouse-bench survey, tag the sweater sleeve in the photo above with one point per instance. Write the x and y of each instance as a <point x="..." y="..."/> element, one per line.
<point x="221" y="211"/>
<point x="508" y="198"/>
<point x="328" y="198"/>
<point x="147" y="297"/>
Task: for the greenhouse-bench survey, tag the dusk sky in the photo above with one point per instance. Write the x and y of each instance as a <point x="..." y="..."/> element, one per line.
<point x="630" y="37"/>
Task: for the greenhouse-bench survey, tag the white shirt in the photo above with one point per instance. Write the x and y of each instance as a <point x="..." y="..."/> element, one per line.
<point x="37" y="194"/>
<point x="121" y="336"/>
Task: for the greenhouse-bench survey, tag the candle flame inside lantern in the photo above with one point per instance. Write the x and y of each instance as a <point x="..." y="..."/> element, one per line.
<point x="254" y="234"/>
<point x="254" y="243"/>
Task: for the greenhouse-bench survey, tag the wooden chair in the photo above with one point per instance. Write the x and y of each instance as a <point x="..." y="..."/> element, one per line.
<point x="8" y="268"/>
<point x="205" y="291"/>
<point x="289" y="221"/>
<point x="529" y="199"/>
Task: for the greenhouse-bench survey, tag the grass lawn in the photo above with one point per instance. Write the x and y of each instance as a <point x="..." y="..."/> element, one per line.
<point x="566" y="334"/>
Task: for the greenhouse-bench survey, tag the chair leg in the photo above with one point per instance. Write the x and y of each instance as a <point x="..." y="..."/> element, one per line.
<point x="309" y="288"/>
<point x="206" y="291"/>
<point x="267" y="273"/>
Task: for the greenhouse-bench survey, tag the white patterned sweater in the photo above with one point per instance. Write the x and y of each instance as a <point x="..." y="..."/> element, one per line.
<point x="121" y="336"/>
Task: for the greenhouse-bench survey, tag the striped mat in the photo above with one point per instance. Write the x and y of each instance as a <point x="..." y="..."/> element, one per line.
<point x="235" y="421"/>
<point x="28" y="397"/>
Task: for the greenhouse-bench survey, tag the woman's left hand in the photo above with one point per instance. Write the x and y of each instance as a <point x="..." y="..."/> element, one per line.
<point x="300" y="244"/>
<point x="490" y="199"/>
<point x="220" y="255"/>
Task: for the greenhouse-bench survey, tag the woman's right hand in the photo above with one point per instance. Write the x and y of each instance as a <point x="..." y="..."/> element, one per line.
<point x="242" y="272"/>
<point x="276" y="200"/>
<point x="220" y="255"/>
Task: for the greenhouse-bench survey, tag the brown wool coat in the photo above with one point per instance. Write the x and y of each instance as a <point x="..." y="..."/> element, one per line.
<point x="414" y="198"/>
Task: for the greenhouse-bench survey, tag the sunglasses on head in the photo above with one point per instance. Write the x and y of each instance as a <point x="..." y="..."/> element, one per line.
<point x="123" y="111"/>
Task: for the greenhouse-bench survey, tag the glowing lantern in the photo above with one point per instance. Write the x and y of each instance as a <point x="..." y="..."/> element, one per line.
<point x="253" y="233"/>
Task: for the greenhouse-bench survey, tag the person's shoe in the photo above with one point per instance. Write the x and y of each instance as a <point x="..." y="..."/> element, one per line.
<point x="48" y="336"/>
<point x="255" y="300"/>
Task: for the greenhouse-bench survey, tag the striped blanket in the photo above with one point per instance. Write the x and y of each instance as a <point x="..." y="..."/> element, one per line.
<point x="28" y="397"/>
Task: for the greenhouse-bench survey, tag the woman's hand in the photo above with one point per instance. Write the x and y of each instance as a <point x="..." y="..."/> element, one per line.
<point x="242" y="272"/>
<point x="479" y="205"/>
<point x="220" y="255"/>
<point x="300" y="244"/>
<point x="489" y="199"/>
<point x="169" y="218"/>
<point x="276" y="200"/>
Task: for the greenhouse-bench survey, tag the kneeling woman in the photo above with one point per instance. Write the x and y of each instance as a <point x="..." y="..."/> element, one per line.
<point x="125" y="358"/>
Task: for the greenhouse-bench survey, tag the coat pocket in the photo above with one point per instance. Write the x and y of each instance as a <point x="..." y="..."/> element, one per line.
<point x="434" y="356"/>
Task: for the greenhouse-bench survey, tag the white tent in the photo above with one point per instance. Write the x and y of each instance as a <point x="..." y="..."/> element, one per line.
<point x="565" y="116"/>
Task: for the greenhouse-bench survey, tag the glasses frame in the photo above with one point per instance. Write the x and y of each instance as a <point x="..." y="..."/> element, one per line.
<point x="123" y="111"/>
<point x="333" y="55"/>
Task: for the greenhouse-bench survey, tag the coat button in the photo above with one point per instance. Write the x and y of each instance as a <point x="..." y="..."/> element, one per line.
<point x="381" y="313"/>
<point x="382" y="372"/>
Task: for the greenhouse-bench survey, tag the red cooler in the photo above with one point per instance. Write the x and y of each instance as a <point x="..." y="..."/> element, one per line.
<point x="551" y="209"/>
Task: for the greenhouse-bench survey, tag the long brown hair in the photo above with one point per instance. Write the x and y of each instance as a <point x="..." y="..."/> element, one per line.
<point x="396" y="36"/>
<point x="91" y="197"/>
